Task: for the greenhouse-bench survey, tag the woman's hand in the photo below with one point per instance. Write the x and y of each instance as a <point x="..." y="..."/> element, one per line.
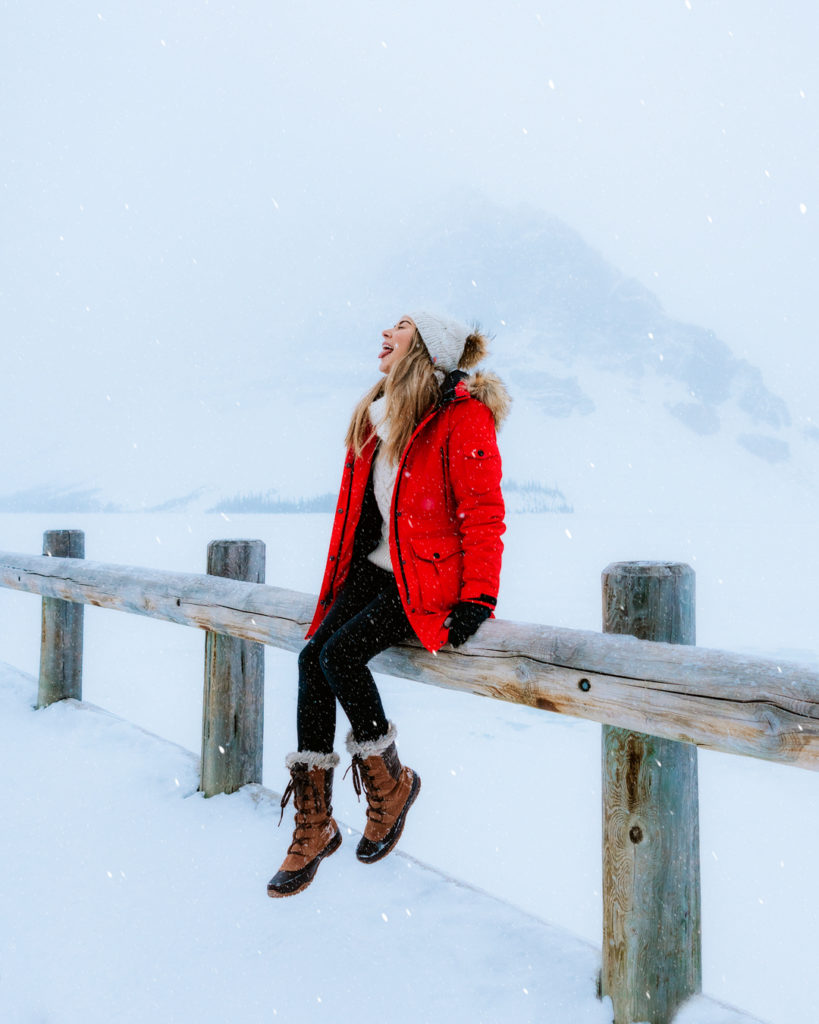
<point x="464" y="620"/>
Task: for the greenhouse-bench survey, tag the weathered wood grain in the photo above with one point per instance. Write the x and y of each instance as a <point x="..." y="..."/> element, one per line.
<point x="652" y="946"/>
<point x="62" y="629"/>
<point x="715" y="699"/>
<point x="233" y="696"/>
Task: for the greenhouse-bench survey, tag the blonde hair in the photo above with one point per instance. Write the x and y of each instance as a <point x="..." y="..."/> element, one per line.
<point x="411" y="389"/>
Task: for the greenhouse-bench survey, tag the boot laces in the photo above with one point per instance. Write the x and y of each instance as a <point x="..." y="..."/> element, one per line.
<point x="301" y="786"/>
<point x="364" y="779"/>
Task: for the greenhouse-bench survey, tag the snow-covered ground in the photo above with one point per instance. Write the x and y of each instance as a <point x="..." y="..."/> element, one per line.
<point x="134" y="899"/>
<point x="133" y="895"/>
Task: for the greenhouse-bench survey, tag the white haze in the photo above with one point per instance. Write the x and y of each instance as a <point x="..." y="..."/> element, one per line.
<point x="194" y="193"/>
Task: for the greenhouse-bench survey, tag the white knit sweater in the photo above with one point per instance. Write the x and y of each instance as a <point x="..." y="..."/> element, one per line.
<point x="384" y="474"/>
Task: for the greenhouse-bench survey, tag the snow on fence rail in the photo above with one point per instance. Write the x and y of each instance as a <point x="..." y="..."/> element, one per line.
<point x="657" y="702"/>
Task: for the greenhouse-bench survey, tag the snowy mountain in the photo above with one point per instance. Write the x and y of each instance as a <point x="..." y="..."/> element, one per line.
<point x="617" y="407"/>
<point x="616" y="401"/>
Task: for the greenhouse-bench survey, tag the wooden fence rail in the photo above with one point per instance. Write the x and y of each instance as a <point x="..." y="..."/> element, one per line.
<point x="714" y="699"/>
<point x="657" y="702"/>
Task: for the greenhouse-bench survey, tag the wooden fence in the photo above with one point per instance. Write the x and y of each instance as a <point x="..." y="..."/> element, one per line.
<point x="657" y="696"/>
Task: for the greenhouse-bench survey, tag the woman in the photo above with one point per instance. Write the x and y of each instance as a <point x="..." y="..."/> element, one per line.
<point x="415" y="550"/>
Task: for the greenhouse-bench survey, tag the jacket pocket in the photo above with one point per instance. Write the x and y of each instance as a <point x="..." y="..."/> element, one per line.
<point x="436" y="549"/>
<point x="439" y="567"/>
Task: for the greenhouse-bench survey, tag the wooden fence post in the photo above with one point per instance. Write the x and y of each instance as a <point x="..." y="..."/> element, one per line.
<point x="233" y="706"/>
<point x="652" y="946"/>
<point x="61" y="635"/>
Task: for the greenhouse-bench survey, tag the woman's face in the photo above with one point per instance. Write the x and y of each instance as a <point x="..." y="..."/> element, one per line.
<point x="395" y="344"/>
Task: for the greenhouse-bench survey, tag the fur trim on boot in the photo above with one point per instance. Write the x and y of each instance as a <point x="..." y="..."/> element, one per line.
<point x="316" y="834"/>
<point x="311" y="759"/>
<point x="391" y="789"/>
<point x="369" y="748"/>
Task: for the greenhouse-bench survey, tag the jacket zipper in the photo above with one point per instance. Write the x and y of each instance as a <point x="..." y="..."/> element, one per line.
<point x="329" y="597"/>
<point x="398" y="480"/>
<point x="395" y="516"/>
<point x="445" y="478"/>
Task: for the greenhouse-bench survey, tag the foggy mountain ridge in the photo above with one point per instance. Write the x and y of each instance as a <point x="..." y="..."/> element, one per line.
<point x="596" y="369"/>
<point x="527" y="497"/>
<point x="567" y="308"/>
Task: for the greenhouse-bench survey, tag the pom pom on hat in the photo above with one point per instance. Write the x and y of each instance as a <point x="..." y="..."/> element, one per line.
<point x="444" y="338"/>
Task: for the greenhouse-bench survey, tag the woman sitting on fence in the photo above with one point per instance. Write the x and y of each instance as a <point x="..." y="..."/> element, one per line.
<point x="415" y="550"/>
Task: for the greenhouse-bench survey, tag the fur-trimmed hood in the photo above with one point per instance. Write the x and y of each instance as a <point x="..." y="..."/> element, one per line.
<point x="489" y="389"/>
<point x="486" y="387"/>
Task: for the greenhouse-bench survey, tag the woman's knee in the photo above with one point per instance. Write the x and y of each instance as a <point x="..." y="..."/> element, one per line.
<point x="334" y="660"/>
<point x="309" y="662"/>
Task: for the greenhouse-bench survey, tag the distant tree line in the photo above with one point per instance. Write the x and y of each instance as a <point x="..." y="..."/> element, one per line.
<point x="269" y="501"/>
<point x="534" y="497"/>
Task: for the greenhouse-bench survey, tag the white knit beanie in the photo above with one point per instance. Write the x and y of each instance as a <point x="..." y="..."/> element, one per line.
<point x="444" y="338"/>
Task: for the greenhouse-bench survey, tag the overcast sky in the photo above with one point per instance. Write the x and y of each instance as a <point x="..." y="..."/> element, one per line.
<point x="164" y="164"/>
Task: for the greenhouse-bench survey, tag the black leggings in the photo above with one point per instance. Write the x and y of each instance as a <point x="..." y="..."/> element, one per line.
<point x="366" y="618"/>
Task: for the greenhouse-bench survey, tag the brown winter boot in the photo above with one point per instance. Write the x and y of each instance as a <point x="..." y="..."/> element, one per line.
<point x="316" y="834"/>
<point x="391" y="790"/>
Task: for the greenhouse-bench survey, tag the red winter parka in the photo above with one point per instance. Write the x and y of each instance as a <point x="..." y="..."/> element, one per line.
<point x="447" y="511"/>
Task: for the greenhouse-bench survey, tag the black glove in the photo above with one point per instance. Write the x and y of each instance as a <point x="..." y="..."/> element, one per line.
<point x="464" y="620"/>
